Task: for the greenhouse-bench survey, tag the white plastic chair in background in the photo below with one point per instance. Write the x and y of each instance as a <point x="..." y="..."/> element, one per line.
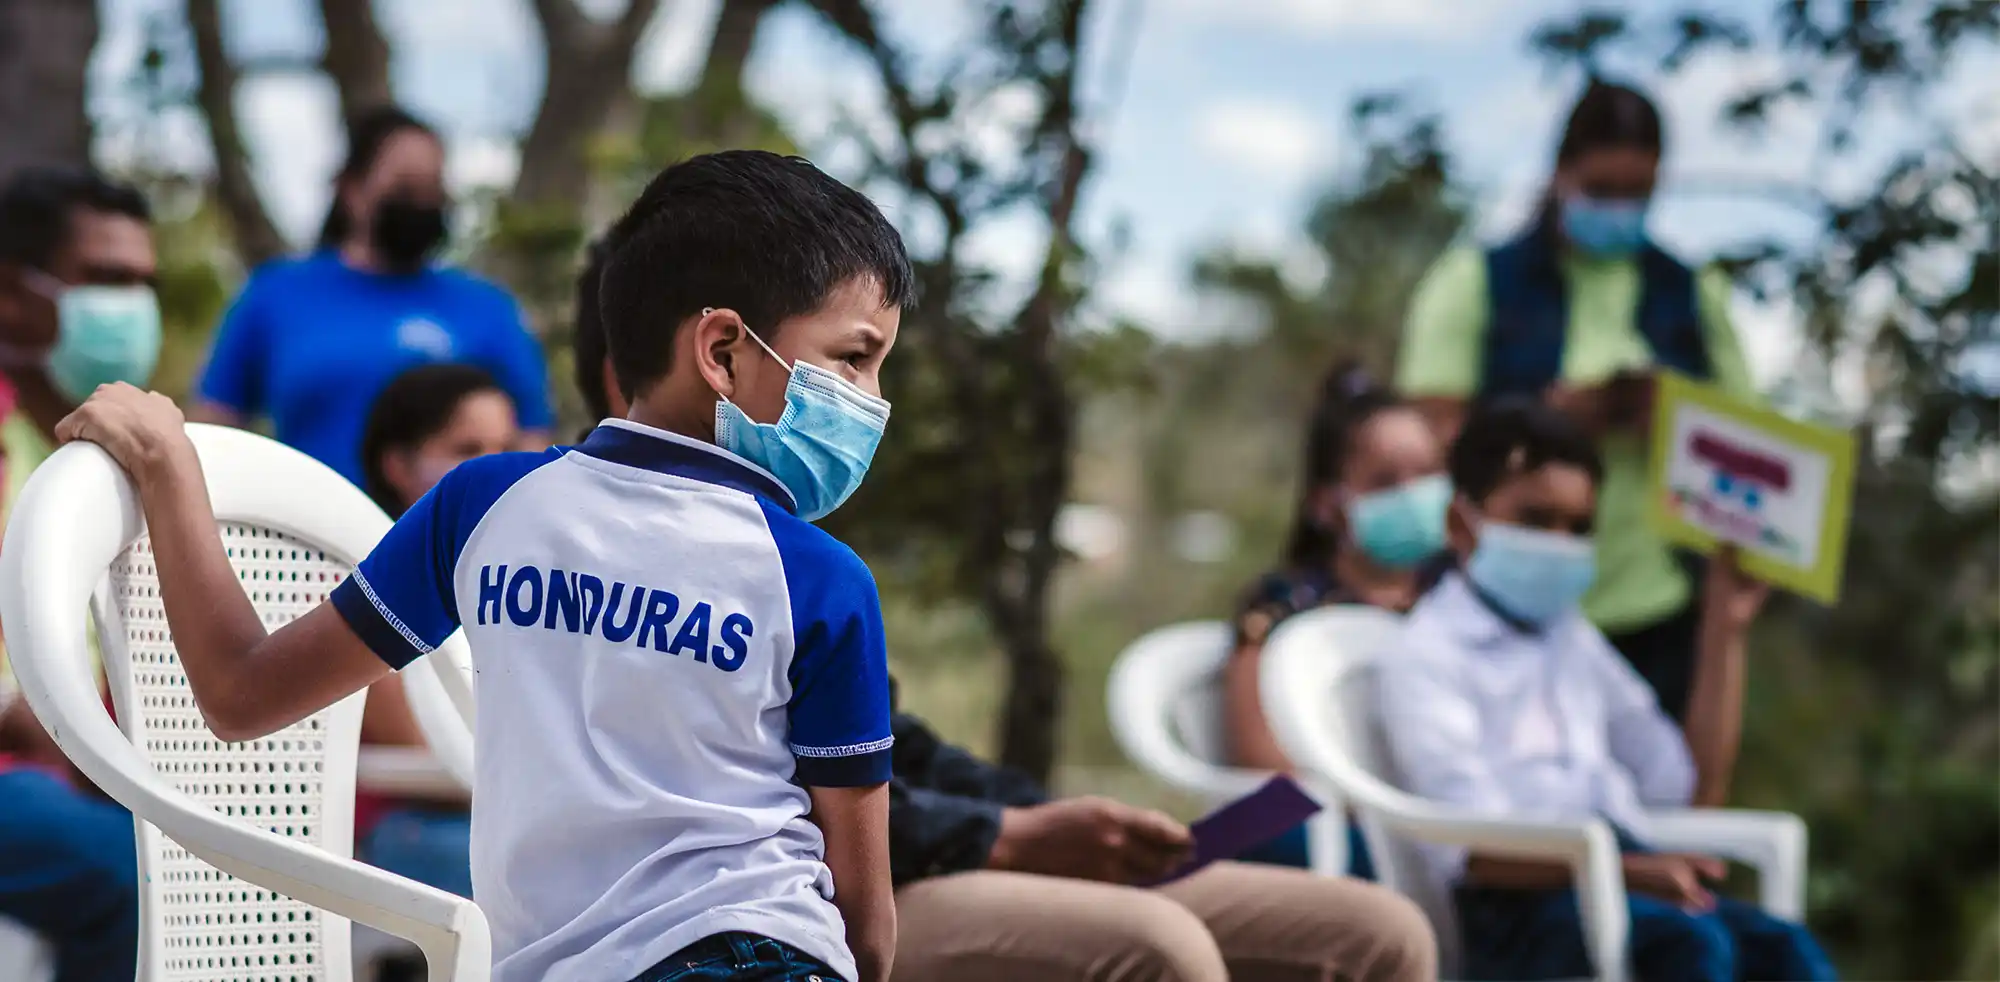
<point x="1165" y="695"/>
<point x="276" y="812"/>
<point x="1319" y="696"/>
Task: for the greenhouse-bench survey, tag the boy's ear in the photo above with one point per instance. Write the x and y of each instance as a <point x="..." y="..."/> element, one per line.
<point x="716" y="337"/>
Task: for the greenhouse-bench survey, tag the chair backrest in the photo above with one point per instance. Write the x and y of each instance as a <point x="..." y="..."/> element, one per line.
<point x="201" y="923"/>
<point x="292" y="529"/>
<point x="1165" y="696"/>
<point x="1318" y="683"/>
<point x="1165" y="701"/>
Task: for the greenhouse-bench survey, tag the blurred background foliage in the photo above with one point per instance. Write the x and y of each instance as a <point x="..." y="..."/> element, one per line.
<point x="1025" y="428"/>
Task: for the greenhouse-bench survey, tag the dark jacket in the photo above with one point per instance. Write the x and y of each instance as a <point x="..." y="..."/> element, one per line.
<point x="944" y="804"/>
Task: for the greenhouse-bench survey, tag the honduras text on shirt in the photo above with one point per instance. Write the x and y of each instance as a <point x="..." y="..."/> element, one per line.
<point x="666" y="657"/>
<point x="559" y="600"/>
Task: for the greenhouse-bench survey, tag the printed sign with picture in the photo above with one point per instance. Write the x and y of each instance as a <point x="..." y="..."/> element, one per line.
<point x="1725" y="470"/>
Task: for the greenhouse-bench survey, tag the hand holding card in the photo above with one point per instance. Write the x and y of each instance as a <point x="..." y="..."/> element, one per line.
<point x="1246" y="823"/>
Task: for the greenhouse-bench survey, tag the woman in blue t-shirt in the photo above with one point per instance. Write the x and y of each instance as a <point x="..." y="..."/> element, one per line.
<point x="311" y="341"/>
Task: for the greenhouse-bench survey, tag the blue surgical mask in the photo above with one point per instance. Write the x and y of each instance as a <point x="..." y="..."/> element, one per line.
<point x="820" y="447"/>
<point x="1603" y="227"/>
<point x="1401" y="526"/>
<point x="104" y="334"/>
<point x="1532" y="575"/>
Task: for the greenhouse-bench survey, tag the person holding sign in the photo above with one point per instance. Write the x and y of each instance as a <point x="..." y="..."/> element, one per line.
<point x="1582" y="310"/>
<point x="1504" y="702"/>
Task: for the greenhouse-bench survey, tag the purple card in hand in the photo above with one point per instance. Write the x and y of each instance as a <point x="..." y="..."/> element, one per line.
<point x="1246" y="823"/>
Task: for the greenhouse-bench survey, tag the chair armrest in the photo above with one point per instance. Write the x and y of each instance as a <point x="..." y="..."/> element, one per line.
<point x="1772" y="843"/>
<point x="1587" y="847"/>
<point x="406" y="772"/>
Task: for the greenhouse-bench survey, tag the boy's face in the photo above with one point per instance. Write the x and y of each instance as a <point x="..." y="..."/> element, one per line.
<point x="1551" y="498"/>
<point x="849" y="335"/>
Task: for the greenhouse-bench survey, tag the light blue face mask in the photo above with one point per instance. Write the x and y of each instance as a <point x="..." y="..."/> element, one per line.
<point x="104" y="334"/>
<point x="1533" y="575"/>
<point x="820" y="447"/>
<point x="1402" y="526"/>
<point x="1603" y="227"/>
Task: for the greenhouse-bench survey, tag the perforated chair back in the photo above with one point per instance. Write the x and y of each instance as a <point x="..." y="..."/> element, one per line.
<point x="201" y="923"/>
<point x="276" y="810"/>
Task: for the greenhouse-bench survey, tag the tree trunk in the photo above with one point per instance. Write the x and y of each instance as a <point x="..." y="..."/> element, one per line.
<point x="45" y="48"/>
<point x="589" y="73"/>
<point x="356" y="57"/>
<point x="1033" y="715"/>
<point x="250" y="225"/>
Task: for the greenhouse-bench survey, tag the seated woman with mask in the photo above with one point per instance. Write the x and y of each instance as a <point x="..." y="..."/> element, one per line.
<point x="1370" y="516"/>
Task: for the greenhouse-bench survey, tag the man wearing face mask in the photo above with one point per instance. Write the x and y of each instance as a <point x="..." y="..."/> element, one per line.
<point x="1581" y="310"/>
<point x="1503" y="701"/>
<point x="311" y="341"/>
<point x="77" y="310"/>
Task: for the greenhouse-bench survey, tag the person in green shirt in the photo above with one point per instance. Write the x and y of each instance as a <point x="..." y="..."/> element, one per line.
<point x="1582" y="310"/>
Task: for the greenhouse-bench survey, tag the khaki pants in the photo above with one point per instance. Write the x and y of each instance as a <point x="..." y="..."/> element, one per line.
<point x="1232" y="921"/>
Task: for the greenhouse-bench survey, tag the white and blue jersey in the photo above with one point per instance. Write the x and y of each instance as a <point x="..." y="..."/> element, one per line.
<point x="666" y="658"/>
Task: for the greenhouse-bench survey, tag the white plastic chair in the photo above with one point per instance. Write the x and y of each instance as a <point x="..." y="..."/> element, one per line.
<point x="276" y="812"/>
<point x="1165" y="696"/>
<point x="1319" y="695"/>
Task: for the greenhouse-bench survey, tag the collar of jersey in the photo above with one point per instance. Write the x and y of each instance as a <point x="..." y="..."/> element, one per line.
<point x="621" y="441"/>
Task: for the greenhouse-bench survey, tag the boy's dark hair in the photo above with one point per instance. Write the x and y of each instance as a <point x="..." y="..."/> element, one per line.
<point x="412" y="408"/>
<point x="765" y="235"/>
<point x="367" y="132"/>
<point x="1514" y="436"/>
<point x="587" y="339"/>
<point x="37" y="206"/>
<point x="1610" y="115"/>
<point x="1349" y="397"/>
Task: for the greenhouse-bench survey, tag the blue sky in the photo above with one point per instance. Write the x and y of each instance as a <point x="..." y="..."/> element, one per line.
<point x="1232" y="115"/>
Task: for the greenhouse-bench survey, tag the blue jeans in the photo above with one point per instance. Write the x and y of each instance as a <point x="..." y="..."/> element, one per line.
<point x="739" y="957"/>
<point x="69" y="870"/>
<point x="1538" y="934"/>
<point x="429" y="844"/>
<point x="1292" y="849"/>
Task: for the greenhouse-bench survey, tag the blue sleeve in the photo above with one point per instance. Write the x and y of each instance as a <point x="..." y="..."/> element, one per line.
<point x="839" y="710"/>
<point x="240" y="356"/>
<point x="516" y="361"/>
<point x="401" y="600"/>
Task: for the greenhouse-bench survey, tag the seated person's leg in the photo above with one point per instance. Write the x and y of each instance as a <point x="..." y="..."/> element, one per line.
<point x="431" y="844"/>
<point x="1277" y="925"/>
<point x="1001" y="927"/>
<point x="1509" y="935"/>
<point x="1518" y="935"/>
<point x="69" y="871"/>
<point x="1771" y="949"/>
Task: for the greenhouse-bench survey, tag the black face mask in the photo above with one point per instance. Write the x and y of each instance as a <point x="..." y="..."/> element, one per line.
<point x="406" y="231"/>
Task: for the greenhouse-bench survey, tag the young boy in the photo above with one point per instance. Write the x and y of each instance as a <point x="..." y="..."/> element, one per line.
<point x="1504" y="700"/>
<point x="684" y="731"/>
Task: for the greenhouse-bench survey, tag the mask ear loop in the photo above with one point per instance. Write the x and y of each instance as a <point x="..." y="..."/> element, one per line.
<point x="705" y="311"/>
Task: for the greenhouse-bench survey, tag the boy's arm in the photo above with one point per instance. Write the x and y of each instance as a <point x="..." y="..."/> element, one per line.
<point x="1730" y="602"/>
<point x="247" y="682"/>
<point x="855" y="824"/>
<point x="839" y="731"/>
